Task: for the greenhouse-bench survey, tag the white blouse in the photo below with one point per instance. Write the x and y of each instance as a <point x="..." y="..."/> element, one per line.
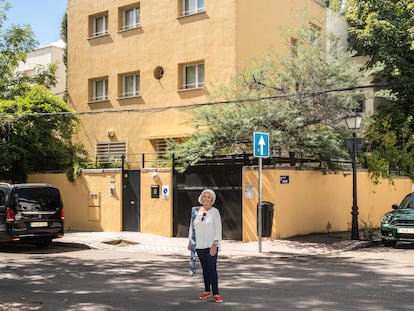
<point x="207" y="228"/>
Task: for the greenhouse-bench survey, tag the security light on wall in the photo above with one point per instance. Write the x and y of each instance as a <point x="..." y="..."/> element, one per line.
<point x="110" y="133"/>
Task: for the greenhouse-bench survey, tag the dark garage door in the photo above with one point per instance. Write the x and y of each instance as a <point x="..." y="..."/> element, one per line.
<point x="225" y="180"/>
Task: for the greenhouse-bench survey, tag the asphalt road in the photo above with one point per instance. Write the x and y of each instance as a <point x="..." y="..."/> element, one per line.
<point x="73" y="277"/>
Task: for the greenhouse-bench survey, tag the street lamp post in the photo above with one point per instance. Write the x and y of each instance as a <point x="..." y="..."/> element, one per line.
<point x="354" y="122"/>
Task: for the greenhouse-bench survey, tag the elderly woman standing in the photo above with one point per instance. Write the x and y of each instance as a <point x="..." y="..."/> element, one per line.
<point x="208" y="231"/>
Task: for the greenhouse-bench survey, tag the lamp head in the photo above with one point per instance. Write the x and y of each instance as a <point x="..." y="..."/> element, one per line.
<point x="353" y="122"/>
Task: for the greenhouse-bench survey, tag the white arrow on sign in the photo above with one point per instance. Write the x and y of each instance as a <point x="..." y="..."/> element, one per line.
<point x="261" y="143"/>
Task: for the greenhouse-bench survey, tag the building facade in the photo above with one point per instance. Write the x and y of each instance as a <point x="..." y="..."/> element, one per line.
<point x="51" y="54"/>
<point x="137" y="68"/>
<point x="135" y="71"/>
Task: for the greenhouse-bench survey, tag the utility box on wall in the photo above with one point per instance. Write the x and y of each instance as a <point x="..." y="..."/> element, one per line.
<point x="94" y="206"/>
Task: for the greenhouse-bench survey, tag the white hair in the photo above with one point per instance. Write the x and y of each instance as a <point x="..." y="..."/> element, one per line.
<point x="213" y="194"/>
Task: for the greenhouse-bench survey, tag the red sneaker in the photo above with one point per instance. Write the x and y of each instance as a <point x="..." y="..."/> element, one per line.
<point x="218" y="298"/>
<point x="205" y="295"/>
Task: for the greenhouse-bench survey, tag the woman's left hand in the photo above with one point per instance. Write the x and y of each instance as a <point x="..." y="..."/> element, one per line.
<point x="213" y="250"/>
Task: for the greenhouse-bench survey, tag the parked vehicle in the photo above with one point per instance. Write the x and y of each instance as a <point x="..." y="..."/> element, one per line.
<point x="30" y="213"/>
<point x="398" y="225"/>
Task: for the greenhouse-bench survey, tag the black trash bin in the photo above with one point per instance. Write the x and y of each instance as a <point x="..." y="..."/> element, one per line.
<point x="267" y="218"/>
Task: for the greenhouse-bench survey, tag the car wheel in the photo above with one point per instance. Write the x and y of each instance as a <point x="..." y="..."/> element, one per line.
<point x="389" y="243"/>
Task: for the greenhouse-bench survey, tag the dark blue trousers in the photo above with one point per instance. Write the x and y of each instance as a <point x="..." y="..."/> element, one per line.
<point x="209" y="265"/>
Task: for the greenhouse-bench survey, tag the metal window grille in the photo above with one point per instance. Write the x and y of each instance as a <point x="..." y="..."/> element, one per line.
<point x="107" y="152"/>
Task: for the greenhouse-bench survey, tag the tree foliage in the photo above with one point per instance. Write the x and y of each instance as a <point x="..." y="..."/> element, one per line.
<point x="64" y="36"/>
<point x="384" y="31"/>
<point x="31" y="141"/>
<point x="295" y="99"/>
<point x="15" y="43"/>
<point x="35" y="127"/>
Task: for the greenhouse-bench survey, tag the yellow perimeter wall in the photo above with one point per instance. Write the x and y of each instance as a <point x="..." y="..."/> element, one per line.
<point x="305" y="205"/>
<point x="89" y="205"/>
<point x="311" y="200"/>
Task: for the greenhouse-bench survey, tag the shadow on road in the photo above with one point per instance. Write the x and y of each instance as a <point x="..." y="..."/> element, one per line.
<point x="56" y="247"/>
<point x="116" y="280"/>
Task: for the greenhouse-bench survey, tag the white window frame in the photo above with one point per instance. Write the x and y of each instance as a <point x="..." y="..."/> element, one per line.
<point x="199" y="76"/>
<point x="97" y="85"/>
<point x="136" y="19"/>
<point x="100" y="32"/>
<point x="136" y="85"/>
<point x="190" y="7"/>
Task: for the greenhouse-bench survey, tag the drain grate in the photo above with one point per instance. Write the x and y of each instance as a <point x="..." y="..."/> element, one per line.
<point x="120" y="242"/>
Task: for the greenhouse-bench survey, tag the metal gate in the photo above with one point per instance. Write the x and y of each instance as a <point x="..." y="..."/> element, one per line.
<point x="130" y="200"/>
<point x="226" y="180"/>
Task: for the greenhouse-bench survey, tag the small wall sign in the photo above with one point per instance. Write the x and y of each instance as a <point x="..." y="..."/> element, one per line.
<point x="249" y="191"/>
<point x="284" y="179"/>
<point x="155" y="191"/>
<point x="165" y="192"/>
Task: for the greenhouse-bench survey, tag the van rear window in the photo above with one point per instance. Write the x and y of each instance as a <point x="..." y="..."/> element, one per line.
<point x="37" y="199"/>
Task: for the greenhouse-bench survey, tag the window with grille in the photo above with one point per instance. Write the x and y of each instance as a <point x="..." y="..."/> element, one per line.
<point x="108" y="152"/>
<point x="160" y="145"/>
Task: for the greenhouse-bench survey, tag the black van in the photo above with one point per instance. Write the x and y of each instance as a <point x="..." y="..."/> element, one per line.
<point x="30" y="213"/>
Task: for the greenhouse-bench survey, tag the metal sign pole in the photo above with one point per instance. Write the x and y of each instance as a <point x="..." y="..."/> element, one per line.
<point x="259" y="211"/>
<point x="260" y="150"/>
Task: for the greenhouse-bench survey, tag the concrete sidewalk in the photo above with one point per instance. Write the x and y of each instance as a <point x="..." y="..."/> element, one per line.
<point x="318" y="244"/>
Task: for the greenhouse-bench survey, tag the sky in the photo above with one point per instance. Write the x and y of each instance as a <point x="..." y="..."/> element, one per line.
<point x="44" y="17"/>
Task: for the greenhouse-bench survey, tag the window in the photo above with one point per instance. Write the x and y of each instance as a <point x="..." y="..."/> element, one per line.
<point x="160" y="145"/>
<point x="360" y="100"/>
<point x="100" y="89"/>
<point x="131" y="18"/>
<point x="130" y="85"/>
<point x="193" y="76"/>
<point x="315" y="33"/>
<point x="99" y="25"/>
<point x="107" y="152"/>
<point x="190" y="7"/>
<point x="294" y="47"/>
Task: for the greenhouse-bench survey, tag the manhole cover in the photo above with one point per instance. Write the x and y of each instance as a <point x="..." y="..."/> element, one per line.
<point x="120" y="242"/>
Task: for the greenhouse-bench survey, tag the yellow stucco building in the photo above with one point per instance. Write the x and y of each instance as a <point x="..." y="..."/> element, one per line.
<point x="135" y="70"/>
<point x="135" y="67"/>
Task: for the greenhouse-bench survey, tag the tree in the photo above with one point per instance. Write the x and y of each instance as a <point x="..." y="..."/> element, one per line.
<point x="64" y="36"/>
<point x="292" y="98"/>
<point x="334" y="5"/>
<point x="383" y="30"/>
<point x="35" y="134"/>
<point x="35" y="127"/>
<point x="15" y="43"/>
